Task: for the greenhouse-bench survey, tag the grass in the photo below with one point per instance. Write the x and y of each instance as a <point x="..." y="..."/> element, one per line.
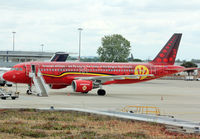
<point x="29" y="123"/>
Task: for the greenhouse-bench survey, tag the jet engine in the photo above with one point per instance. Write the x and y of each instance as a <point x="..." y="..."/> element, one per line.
<point x="82" y="85"/>
<point x="53" y="86"/>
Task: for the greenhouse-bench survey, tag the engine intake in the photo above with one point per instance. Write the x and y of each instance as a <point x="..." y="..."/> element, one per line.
<point x="82" y="85"/>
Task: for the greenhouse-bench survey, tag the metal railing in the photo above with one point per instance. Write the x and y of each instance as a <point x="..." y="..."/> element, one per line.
<point x="142" y="109"/>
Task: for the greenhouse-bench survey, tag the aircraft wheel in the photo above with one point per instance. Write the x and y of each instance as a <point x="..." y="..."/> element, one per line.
<point x="9" y="85"/>
<point x="13" y="98"/>
<point x="29" y="92"/>
<point x="2" y="84"/>
<point x="101" y="92"/>
<point x="4" y="98"/>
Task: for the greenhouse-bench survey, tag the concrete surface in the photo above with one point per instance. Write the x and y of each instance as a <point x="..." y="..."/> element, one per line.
<point x="174" y="97"/>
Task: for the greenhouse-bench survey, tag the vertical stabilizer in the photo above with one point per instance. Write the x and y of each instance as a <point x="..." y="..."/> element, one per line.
<point x="168" y="54"/>
<point x="59" y="57"/>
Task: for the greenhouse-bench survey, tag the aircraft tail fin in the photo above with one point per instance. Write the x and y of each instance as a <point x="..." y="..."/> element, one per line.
<point x="168" y="54"/>
<point x="59" y="57"/>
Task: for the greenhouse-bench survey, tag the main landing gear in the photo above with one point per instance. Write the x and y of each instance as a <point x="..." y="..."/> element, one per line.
<point x="101" y="92"/>
<point x="28" y="92"/>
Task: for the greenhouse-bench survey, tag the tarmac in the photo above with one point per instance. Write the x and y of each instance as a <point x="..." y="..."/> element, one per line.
<point x="177" y="98"/>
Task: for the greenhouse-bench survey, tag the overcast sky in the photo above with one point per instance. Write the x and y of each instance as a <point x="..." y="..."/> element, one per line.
<point x="147" y="24"/>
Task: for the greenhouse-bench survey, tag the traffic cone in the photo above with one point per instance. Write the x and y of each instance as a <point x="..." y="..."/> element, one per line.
<point x="68" y="94"/>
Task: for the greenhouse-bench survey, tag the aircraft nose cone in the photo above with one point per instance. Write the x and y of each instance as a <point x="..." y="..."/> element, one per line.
<point x="6" y="76"/>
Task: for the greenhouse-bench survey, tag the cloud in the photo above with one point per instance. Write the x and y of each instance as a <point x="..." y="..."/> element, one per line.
<point x="148" y="24"/>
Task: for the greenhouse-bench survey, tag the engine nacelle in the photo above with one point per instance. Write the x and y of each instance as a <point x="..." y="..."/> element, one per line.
<point x="82" y="85"/>
<point x="53" y="86"/>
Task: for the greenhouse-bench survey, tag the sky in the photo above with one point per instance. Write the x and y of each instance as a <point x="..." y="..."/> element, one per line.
<point x="147" y="24"/>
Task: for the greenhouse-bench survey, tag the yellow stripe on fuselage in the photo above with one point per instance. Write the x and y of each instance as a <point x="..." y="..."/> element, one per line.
<point x="76" y="73"/>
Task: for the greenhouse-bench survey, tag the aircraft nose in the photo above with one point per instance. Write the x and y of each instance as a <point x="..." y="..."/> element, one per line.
<point x="6" y="76"/>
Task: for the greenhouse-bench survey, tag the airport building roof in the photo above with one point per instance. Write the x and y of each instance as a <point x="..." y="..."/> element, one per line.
<point x="25" y="54"/>
<point x="10" y="58"/>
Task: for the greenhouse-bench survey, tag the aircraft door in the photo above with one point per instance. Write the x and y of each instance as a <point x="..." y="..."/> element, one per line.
<point x="31" y="68"/>
<point x="153" y="70"/>
<point x="27" y="69"/>
<point x="34" y="68"/>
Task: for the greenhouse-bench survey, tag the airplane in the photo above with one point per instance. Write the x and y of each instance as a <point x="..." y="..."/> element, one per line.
<point x="85" y="76"/>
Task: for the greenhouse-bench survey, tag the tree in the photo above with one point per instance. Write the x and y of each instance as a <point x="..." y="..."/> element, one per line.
<point x="115" y="48"/>
<point x="90" y="59"/>
<point x="137" y="60"/>
<point x="189" y="65"/>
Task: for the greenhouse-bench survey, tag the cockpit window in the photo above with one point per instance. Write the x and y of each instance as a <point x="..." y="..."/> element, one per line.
<point x="17" y="69"/>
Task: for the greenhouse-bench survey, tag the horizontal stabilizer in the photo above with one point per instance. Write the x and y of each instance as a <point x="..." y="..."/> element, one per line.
<point x="182" y="69"/>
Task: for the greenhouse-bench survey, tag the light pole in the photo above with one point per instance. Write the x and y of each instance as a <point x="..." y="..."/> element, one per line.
<point x="42" y="46"/>
<point x="13" y="40"/>
<point x="79" y="57"/>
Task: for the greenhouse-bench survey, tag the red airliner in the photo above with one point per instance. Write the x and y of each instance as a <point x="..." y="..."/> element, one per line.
<point x="85" y="76"/>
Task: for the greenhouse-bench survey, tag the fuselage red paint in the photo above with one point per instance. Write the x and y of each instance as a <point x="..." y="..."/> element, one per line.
<point x="63" y="73"/>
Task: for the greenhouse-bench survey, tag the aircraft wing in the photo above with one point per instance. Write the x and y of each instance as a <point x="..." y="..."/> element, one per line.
<point x="104" y="79"/>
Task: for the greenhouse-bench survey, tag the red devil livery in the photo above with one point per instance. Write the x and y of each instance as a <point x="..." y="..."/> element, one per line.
<point x="85" y="76"/>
